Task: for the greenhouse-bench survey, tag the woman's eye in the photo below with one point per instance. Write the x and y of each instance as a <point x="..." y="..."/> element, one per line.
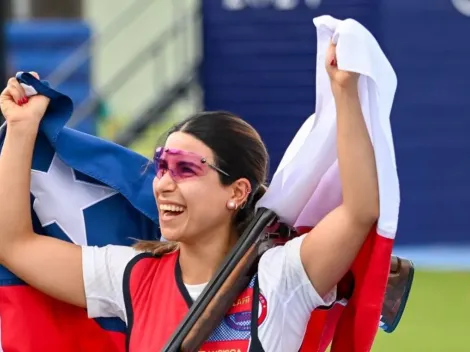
<point x="185" y="170"/>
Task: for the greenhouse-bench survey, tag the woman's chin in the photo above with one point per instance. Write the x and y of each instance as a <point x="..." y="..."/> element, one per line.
<point x="171" y="235"/>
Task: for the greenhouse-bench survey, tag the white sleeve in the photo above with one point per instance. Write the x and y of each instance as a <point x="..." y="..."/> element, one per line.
<point x="290" y="296"/>
<point x="281" y="270"/>
<point x="103" y="275"/>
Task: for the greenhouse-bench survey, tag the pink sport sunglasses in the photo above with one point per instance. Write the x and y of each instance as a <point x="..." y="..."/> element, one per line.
<point x="181" y="164"/>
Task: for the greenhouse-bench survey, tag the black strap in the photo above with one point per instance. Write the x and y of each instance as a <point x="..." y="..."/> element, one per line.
<point x="126" y="288"/>
<point x="255" y="345"/>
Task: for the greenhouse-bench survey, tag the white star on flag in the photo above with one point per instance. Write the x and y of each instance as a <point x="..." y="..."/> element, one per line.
<point x="61" y="199"/>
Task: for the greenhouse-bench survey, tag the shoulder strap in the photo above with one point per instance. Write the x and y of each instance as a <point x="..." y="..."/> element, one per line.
<point x="126" y="282"/>
<point x="255" y="342"/>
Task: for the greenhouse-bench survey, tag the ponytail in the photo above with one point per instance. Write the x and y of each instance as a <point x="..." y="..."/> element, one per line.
<point x="247" y="213"/>
<point x="157" y="248"/>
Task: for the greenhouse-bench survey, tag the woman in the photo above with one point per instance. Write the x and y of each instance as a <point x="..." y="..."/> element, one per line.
<point x="210" y="173"/>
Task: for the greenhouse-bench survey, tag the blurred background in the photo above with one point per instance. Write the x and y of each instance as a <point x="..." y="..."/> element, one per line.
<point x="133" y="68"/>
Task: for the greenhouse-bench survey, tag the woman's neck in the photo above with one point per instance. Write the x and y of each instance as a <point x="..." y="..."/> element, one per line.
<point x="199" y="261"/>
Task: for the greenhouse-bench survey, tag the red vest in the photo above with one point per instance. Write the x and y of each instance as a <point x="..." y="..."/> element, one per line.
<point x="157" y="301"/>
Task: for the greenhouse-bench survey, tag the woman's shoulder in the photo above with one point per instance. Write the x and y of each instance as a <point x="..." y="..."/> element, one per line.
<point x="280" y="267"/>
<point x="118" y="250"/>
<point x="109" y="255"/>
<point x="287" y="250"/>
<point x="128" y="253"/>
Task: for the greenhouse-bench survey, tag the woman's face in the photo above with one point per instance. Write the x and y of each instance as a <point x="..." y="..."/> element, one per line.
<point x="191" y="200"/>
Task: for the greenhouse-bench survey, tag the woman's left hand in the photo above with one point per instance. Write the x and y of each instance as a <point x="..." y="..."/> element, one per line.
<point x="340" y="80"/>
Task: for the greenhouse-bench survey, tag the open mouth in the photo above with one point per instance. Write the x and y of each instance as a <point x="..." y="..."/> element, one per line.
<point x="171" y="211"/>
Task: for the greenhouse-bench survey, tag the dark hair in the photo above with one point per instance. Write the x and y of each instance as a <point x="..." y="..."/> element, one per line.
<point x="238" y="150"/>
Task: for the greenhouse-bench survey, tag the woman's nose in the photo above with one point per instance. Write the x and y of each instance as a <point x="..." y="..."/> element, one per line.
<point x="164" y="183"/>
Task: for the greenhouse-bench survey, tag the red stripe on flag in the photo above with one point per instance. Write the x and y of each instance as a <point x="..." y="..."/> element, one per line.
<point x="34" y="322"/>
<point x="353" y="328"/>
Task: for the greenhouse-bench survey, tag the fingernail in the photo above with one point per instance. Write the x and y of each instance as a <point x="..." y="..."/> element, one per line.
<point x="333" y="62"/>
<point x="26" y="99"/>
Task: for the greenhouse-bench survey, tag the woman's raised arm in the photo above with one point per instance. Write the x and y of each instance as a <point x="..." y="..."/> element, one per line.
<point x="51" y="265"/>
<point x="328" y="251"/>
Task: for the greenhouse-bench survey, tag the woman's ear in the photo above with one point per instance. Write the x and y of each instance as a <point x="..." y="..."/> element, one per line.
<point x="241" y="190"/>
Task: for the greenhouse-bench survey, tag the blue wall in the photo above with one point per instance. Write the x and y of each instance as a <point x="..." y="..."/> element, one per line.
<point x="42" y="45"/>
<point x="259" y="63"/>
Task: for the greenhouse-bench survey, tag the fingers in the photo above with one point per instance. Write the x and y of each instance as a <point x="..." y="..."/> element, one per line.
<point x="5" y="95"/>
<point x="34" y="74"/>
<point x="16" y="91"/>
<point x="331" y="55"/>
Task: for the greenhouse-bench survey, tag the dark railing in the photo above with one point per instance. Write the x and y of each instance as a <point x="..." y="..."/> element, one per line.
<point x="178" y="43"/>
<point x="180" y="29"/>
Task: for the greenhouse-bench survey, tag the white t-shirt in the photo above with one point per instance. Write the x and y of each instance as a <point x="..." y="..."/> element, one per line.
<point x="282" y="280"/>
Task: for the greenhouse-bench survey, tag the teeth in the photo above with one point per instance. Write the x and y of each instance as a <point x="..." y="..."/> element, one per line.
<point x="169" y="207"/>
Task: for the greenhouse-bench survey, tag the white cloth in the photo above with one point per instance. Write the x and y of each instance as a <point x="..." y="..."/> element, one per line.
<point x="283" y="282"/>
<point x="306" y="185"/>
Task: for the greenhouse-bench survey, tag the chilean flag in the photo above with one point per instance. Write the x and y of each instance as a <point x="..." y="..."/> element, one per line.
<point x="87" y="191"/>
<point x="307" y="186"/>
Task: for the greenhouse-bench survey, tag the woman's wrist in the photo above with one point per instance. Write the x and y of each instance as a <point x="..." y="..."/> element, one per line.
<point x="23" y="129"/>
<point x="346" y="99"/>
<point x="345" y="91"/>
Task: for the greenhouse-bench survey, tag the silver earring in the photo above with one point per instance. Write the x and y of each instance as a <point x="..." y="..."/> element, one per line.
<point x="231" y="205"/>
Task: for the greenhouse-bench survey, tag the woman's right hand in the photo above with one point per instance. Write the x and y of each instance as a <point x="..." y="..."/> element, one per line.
<point x="18" y="109"/>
